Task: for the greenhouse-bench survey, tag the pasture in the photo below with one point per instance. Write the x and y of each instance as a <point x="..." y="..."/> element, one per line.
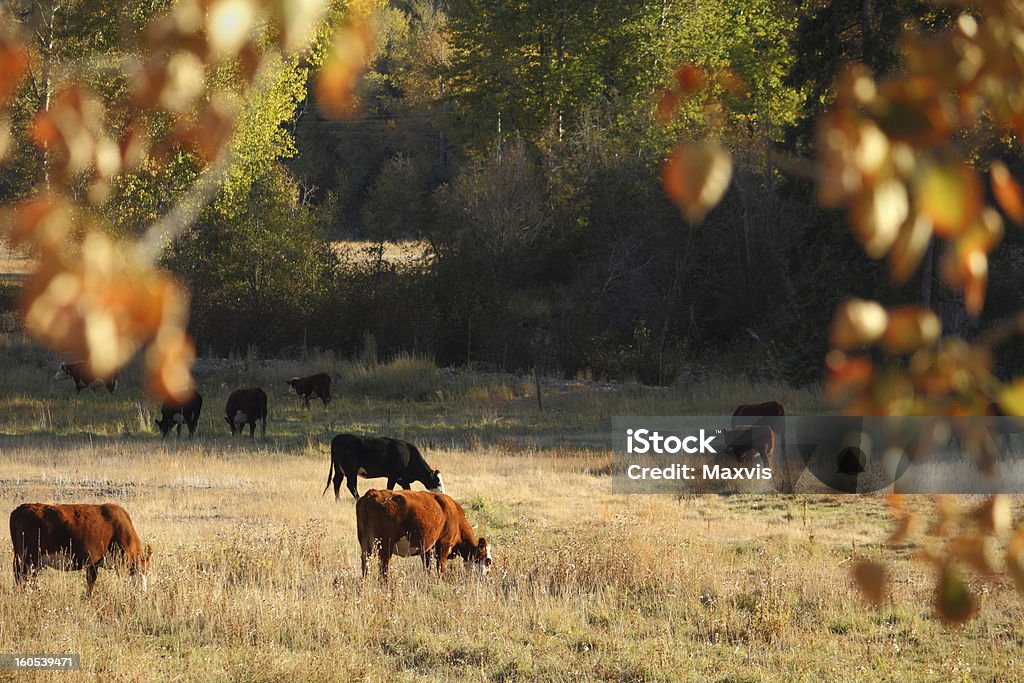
<point x="256" y="576"/>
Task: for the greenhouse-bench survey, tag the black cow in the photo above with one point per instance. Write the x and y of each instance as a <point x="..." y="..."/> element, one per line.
<point x="247" y="406"/>
<point x="371" y="456"/>
<point x="79" y="371"/>
<point x="174" y="414"/>
<point x="318" y="385"/>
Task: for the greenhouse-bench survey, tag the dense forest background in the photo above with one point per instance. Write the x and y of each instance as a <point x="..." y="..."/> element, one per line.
<point x="520" y="144"/>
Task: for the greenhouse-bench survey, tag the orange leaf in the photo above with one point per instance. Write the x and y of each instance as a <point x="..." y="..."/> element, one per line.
<point x="870" y="578"/>
<point x="1007" y="191"/>
<point x="1015" y="560"/>
<point x="690" y="78"/>
<point x="910" y="245"/>
<point x="910" y="328"/>
<point x="13" y="63"/>
<point x="696" y="176"/>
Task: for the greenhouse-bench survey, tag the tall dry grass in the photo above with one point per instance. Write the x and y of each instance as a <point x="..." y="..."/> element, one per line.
<point x="256" y="577"/>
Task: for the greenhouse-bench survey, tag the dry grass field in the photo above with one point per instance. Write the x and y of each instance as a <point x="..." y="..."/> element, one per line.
<point x="256" y="576"/>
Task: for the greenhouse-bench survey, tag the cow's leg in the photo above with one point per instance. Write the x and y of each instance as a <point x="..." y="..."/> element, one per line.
<point x="364" y="556"/>
<point x="351" y="483"/>
<point x="391" y="484"/>
<point x="252" y="431"/>
<point x="91" y="572"/>
<point x="385" y="561"/>
<point x="20" y="569"/>
<point x="405" y="485"/>
<point x="442" y="558"/>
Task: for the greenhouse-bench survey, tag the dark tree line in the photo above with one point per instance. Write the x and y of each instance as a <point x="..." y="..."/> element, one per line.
<point x="519" y="143"/>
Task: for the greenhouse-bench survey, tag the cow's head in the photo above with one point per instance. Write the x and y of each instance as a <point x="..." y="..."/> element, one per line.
<point x="291" y="382"/>
<point x="139" y="567"/>
<point x="164" y="423"/>
<point x="482" y="559"/>
<point x="62" y="372"/>
<point x="435" y="483"/>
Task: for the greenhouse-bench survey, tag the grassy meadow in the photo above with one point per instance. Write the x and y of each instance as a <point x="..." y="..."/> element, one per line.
<point x="256" y="575"/>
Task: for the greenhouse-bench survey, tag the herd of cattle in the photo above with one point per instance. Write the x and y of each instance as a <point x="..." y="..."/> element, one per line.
<point x="429" y="523"/>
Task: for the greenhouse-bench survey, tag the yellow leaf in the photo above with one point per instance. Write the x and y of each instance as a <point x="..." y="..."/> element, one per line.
<point x="857" y="323"/>
<point x="951" y="196"/>
<point x="994" y="515"/>
<point x="1011" y="398"/>
<point x="877" y="214"/>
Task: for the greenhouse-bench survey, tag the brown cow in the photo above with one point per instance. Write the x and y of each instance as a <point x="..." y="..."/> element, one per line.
<point x="318" y="385"/>
<point x="83" y="377"/>
<point x="771" y="413"/>
<point x="744" y="439"/>
<point x="246" y="407"/>
<point x="73" y="537"/>
<point x="421" y="523"/>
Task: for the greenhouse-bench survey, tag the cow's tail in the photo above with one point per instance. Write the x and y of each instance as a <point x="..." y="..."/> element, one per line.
<point x="330" y="475"/>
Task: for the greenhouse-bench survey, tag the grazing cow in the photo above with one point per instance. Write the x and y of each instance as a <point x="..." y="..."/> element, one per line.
<point x="80" y="372"/>
<point x="372" y="456"/>
<point x="318" y="385"/>
<point x="421" y="523"/>
<point x="174" y="414"/>
<point x="744" y="439"/>
<point x="73" y="537"/>
<point x="771" y="413"/>
<point x="247" y="407"/>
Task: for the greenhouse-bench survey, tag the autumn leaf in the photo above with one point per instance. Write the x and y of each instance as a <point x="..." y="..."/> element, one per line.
<point x="953" y="602"/>
<point x="696" y="176"/>
<point x="1007" y="192"/>
<point x="1011" y="398"/>
<point x="858" y="323"/>
<point x="951" y="196"/>
<point x="871" y="578"/>
<point x="910" y="328"/>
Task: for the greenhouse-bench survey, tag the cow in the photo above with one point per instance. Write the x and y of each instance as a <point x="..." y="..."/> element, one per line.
<point x="318" y="385"/>
<point x="424" y="523"/>
<point x="378" y="456"/>
<point x="79" y="371"/>
<point x="73" y="537"/>
<point x="744" y="439"/>
<point x="246" y="407"/>
<point x="174" y="414"/>
<point x="771" y="413"/>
